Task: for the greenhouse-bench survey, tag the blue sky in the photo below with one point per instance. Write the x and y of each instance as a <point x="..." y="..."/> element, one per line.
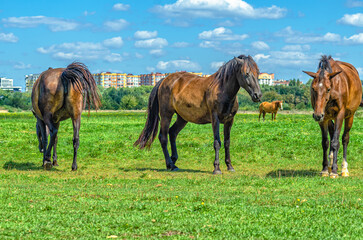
<point x="284" y="36"/>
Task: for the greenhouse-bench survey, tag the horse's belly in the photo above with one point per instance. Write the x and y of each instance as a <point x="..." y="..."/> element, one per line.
<point x="194" y="114"/>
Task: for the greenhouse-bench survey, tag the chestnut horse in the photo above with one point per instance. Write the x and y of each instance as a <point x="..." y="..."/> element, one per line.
<point x="267" y="107"/>
<point x="336" y="92"/>
<point x="199" y="100"/>
<point x="57" y="95"/>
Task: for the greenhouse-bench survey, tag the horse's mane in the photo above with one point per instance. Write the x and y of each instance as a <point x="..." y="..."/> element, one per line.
<point x="229" y="69"/>
<point x="324" y="65"/>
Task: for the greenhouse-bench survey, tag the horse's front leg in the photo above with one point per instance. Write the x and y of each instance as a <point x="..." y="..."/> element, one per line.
<point x="216" y="144"/>
<point x="55" y="163"/>
<point x="227" y="140"/>
<point x="163" y="138"/>
<point x="325" y="145"/>
<point x="335" y="142"/>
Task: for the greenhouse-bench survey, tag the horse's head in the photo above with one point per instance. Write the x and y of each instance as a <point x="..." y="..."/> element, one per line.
<point x="279" y="105"/>
<point x="320" y="87"/>
<point x="248" y="79"/>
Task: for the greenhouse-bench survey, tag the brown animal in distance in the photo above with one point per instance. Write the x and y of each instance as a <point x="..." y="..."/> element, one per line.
<point x="336" y="93"/>
<point x="199" y="100"/>
<point x="272" y="107"/>
<point x="57" y="95"/>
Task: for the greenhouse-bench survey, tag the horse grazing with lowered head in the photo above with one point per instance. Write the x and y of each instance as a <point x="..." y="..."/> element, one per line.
<point x="57" y="95"/>
<point x="272" y="107"/>
<point x="199" y="100"/>
<point x="336" y="92"/>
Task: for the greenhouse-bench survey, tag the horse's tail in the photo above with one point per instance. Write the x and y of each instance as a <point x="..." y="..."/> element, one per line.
<point x="150" y="130"/>
<point x="361" y="103"/>
<point x="83" y="82"/>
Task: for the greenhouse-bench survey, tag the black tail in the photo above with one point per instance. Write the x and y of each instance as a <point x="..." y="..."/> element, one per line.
<point x="150" y="130"/>
<point x="82" y="81"/>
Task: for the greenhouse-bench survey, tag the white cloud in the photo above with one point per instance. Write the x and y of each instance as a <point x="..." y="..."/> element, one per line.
<point x="8" y="37"/>
<point x="150" y="69"/>
<point x="216" y="65"/>
<point x="209" y="44"/>
<point x="145" y="34"/>
<point x="181" y="44"/>
<point x="115" y="42"/>
<point x="178" y="65"/>
<point x="259" y="56"/>
<point x="221" y="33"/>
<point x="360" y="71"/>
<point x="113" y="57"/>
<point x="157" y="52"/>
<point x="54" y="24"/>
<point x="22" y="65"/>
<point x="116" y="25"/>
<point x="138" y="55"/>
<point x="152" y="43"/>
<point x="260" y="45"/>
<point x="218" y="9"/>
<point x="354" y="3"/>
<point x="86" y="13"/>
<point x="84" y="50"/>
<point x="292" y="36"/>
<point x="296" y="48"/>
<point x="289" y="59"/>
<point x="355" y="39"/>
<point x="121" y="7"/>
<point x="352" y="19"/>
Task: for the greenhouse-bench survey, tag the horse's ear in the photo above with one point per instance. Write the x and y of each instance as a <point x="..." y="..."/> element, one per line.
<point x="331" y="75"/>
<point x="311" y="74"/>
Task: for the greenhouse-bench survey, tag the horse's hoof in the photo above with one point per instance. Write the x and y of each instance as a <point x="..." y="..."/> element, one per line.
<point x="324" y="173"/>
<point x="175" y="169"/>
<point x="231" y="169"/>
<point x="345" y="174"/>
<point x="55" y="164"/>
<point x="47" y="165"/>
<point x="333" y="175"/>
<point x="215" y="172"/>
<point x="74" y="168"/>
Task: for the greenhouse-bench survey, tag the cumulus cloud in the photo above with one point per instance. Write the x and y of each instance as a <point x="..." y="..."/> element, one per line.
<point x="181" y="44"/>
<point x="177" y="65"/>
<point x="121" y="7"/>
<point x="360" y="71"/>
<point x="296" y="48"/>
<point x="152" y="43"/>
<point x="292" y="36"/>
<point x="84" y="50"/>
<point x="22" y="65"/>
<point x="259" y="56"/>
<point x="221" y="33"/>
<point x="145" y="34"/>
<point x="218" y="9"/>
<point x="355" y="39"/>
<point x="157" y="52"/>
<point x="209" y="44"/>
<point x="260" y="45"/>
<point x="352" y="19"/>
<point x="8" y="37"/>
<point x="289" y="58"/>
<point x="54" y="24"/>
<point x="116" y="25"/>
<point x="115" y="42"/>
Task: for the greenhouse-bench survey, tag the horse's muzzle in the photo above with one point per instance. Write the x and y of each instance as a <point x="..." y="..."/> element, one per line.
<point x="318" y="117"/>
<point x="256" y="97"/>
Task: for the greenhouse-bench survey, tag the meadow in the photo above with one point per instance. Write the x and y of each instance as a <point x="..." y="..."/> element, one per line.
<point x="125" y="193"/>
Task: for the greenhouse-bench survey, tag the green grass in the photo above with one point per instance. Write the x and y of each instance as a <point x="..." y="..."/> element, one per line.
<point x="275" y="193"/>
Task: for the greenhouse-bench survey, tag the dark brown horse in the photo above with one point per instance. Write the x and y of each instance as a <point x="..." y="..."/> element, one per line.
<point x="336" y="93"/>
<point x="272" y="107"/>
<point x="199" y="100"/>
<point x="57" y="95"/>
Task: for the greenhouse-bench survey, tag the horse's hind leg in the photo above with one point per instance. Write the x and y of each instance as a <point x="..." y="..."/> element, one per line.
<point x="173" y="133"/>
<point x="259" y="116"/>
<point x="345" y="139"/>
<point x="39" y="135"/>
<point x="76" y="126"/>
<point x="227" y="140"/>
<point x="263" y="115"/>
<point x="55" y="163"/>
<point x="53" y="130"/>
<point x="163" y="138"/>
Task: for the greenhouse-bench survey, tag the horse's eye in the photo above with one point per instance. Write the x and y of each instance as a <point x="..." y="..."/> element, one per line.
<point x="328" y="89"/>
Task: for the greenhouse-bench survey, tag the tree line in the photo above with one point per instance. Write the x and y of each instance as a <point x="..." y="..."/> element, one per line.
<point x="295" y="96"/>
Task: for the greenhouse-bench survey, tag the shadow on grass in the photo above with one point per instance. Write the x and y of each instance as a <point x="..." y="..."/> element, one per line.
<point x="292" y="173"/>
<point x="23" y="166"/>
<point x="160" y="170"/>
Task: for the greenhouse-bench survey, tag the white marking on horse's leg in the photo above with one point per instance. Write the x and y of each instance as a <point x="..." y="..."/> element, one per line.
<point x="345" y="172"/>
<point x="331" y="156"/>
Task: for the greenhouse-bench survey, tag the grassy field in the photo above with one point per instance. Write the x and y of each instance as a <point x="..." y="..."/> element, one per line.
<point x="122" y="192"/>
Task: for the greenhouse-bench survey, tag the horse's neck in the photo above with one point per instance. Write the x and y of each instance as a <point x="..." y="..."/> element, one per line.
<point x="230" y="87"/>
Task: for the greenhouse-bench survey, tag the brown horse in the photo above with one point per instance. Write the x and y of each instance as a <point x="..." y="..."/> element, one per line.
<point x="336" y="93"/>
<point x="267" y="107"/>
<point x="199" y="100"/>
<point x="57" y="95"/>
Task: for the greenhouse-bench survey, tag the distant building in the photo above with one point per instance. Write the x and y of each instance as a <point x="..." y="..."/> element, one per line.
<point x="266" y="79"/>
<point x="132" y="80"/>
<point x="7" y="84"/>
<point x="151" y="79"/>
<point x="281" y="83"/>
<point x="29" y="81"/>
<point x="108" y="79"/>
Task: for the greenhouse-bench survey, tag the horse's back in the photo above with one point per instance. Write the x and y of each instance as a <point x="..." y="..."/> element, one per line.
<point x="266" y="106"/>
<point x="48" y="92"/>
<point x="185" y="93"/>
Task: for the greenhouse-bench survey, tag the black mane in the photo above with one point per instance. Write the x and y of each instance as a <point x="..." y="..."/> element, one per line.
<point x="324" y="65"/>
